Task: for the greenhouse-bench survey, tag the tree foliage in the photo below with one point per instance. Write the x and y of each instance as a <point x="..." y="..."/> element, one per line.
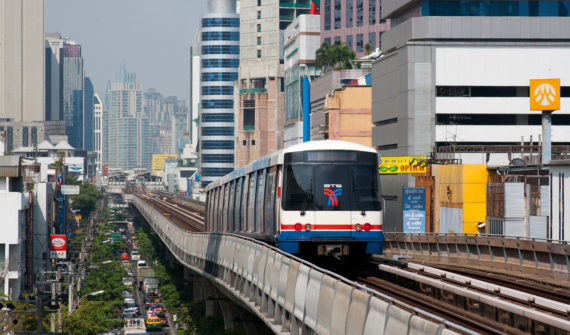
<point x="87" y="199"/>
<point x="336" y="57"/>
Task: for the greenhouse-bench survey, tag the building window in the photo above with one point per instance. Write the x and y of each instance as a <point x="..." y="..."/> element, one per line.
<point x="220" y="158"/>
<point x="252" y="142"/>
<point x="249" y="119"/>
<point x="328" y="41"/>
<point x="210" y="63"/>
<point x="220" y="36"/>
<point x="218" y="131"/>
<point x="349" y="13"/>
<point x="259" y="27"/>
<point x="372" y="40"/>
<point x="211" y="145"/>
<point x="337" y="13"/>
<point x="380" y="40"/>
<point x="327" y="14"/>
<point x="25" y="137"/>
<point x="220" y="49"/>
<point x="258" y="3"/>
<point x="34" y="136"/>
<point x="337" y="40"/>
<point x="220" y="22"/>
<point x="359" y="13"/>
<point x="359" y="43"/>
<point x="380" y="13"/>
<point x="258" y="14"/>
<point x="258" y="40"/>
<point x="244" y="142"/>
<point x="217" y="90"/>
<point x="372" y="11"/>
<point x="258" y="53"/>
<point x="219" y="76"/>
<point x="217" y="104"/>
<point x="349" y="41"/>
<point x="218" y="117"/>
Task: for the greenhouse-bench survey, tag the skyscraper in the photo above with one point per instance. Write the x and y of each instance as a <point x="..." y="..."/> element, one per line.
<point x="126" y="129"/>
<point x="219" y="69"/>
<point x="72" y="92"/>
<point x="22" y="75"/>
<point x="88" y="95"/>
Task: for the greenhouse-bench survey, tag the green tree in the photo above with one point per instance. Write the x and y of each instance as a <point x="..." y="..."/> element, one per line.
<point x="92" y="318"/>
<point x="368" y="49"/>
<point x="87" y="199"/>
<point x="336" y="57"/>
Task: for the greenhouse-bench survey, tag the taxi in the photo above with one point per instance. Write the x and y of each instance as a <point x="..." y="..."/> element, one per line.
<point x="153" y="323"/>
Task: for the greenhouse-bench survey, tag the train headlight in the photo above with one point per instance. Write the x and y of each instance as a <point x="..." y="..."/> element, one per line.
<point x="308" y="227"/>
<point x="298" y="227"/>
<point x="358" y="227"/>
<point x="367" y="227"/>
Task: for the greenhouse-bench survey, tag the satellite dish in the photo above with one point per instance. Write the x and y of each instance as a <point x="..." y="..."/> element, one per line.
<point x="517" y="162"/>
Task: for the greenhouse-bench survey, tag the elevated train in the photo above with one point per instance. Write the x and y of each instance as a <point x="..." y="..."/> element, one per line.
<point x="319" y="198"/>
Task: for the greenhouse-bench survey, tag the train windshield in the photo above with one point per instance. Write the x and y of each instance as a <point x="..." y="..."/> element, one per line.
<point x="331" y="187"/>
<point x="299" y="186"/>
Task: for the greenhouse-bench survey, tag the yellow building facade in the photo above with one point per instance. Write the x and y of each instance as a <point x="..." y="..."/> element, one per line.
<point x="348" y="114"/>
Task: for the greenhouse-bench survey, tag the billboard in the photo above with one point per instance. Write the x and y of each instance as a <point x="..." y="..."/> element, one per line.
<point x="158" y="161"/>
<point x="70" y="189"/>
<point x="402" y="164"/>
<point x="414" y="205"/>
<point x="544" y="94"/>
<point x="58" y="246"/>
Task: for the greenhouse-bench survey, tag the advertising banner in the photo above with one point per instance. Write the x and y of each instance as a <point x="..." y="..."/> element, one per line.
<point x="158" y="161"/>
<point x="402" y="164"/>
<point x="414" y="205"/>
<point x="70" y="189"/>
<point x="58" y="246"/>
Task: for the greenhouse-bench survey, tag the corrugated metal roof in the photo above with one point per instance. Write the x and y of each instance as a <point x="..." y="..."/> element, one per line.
<point x="10" y="166"/>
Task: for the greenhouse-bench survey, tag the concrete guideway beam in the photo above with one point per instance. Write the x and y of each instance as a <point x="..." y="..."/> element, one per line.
<point x="542" y="259"/>
<point x="281" y="289"/>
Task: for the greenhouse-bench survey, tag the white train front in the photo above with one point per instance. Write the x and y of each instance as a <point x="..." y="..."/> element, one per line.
<point x="315" y="198"/>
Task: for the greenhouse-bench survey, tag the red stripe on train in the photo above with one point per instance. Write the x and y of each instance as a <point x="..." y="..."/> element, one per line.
<point x="330" y="227"/>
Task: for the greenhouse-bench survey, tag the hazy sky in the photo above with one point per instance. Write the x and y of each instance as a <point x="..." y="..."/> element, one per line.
<point x="153" y="36"/>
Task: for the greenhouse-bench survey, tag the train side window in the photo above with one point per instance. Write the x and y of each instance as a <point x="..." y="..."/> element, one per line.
<point x="226" y="207"/>
<point x="270" y="200"/>
<point x="237" y="205"/>
<point x="232" y="206"/>
<point x="259" y="201"/>
<point x="251" y="203"/>
<point x="243" y="214"/>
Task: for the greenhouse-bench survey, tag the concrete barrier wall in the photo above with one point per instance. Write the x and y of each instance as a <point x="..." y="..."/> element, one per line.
<point x="286" y="293"/>
<point x="543" y="258"/>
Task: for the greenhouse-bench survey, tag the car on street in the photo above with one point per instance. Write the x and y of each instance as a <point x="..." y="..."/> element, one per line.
<point x="153" y="323"/>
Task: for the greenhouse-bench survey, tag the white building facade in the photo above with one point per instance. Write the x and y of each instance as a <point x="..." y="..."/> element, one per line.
<point x="98" y="130"/>
<point x="301" y="41"/>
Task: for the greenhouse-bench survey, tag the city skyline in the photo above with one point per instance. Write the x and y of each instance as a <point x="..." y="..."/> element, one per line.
<point x="170" y="23"/>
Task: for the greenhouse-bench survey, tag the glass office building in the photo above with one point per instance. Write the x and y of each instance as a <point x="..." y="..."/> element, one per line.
<point x="219" y="51"/>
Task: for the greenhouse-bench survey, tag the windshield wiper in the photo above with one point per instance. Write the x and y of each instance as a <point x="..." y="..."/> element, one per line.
<point x="306" y="201"/>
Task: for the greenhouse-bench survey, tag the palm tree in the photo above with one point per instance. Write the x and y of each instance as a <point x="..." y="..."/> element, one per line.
<point x="337" y="57"/>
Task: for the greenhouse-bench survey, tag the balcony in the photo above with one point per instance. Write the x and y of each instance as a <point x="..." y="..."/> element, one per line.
<point x="249" y="128"/>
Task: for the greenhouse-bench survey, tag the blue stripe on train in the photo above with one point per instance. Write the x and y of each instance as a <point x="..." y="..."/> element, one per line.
<point x="289" y="240"/>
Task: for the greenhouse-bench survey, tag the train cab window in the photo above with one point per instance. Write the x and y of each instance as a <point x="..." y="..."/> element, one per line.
<point x="298" y="192"/>
<point x="365" y="194"/>
<point x="332" y="183"/>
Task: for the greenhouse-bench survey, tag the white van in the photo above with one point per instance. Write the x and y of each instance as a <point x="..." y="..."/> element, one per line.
<point x="141" y="264"/>
<point x="135" y="255"/>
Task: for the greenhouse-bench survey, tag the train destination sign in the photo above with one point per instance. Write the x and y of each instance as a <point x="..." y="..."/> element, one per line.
<point x="402" y="164"/>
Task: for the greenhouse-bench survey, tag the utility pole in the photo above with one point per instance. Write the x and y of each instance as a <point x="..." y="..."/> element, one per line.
<point x="59" y="316"/>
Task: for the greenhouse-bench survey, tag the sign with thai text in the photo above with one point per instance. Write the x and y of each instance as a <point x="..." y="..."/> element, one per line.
<point x="414" y="206"/>
<point x="70" y="189"/>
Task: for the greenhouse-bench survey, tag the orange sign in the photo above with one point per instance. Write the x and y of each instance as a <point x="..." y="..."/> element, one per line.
<point x="544" y="94"/>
